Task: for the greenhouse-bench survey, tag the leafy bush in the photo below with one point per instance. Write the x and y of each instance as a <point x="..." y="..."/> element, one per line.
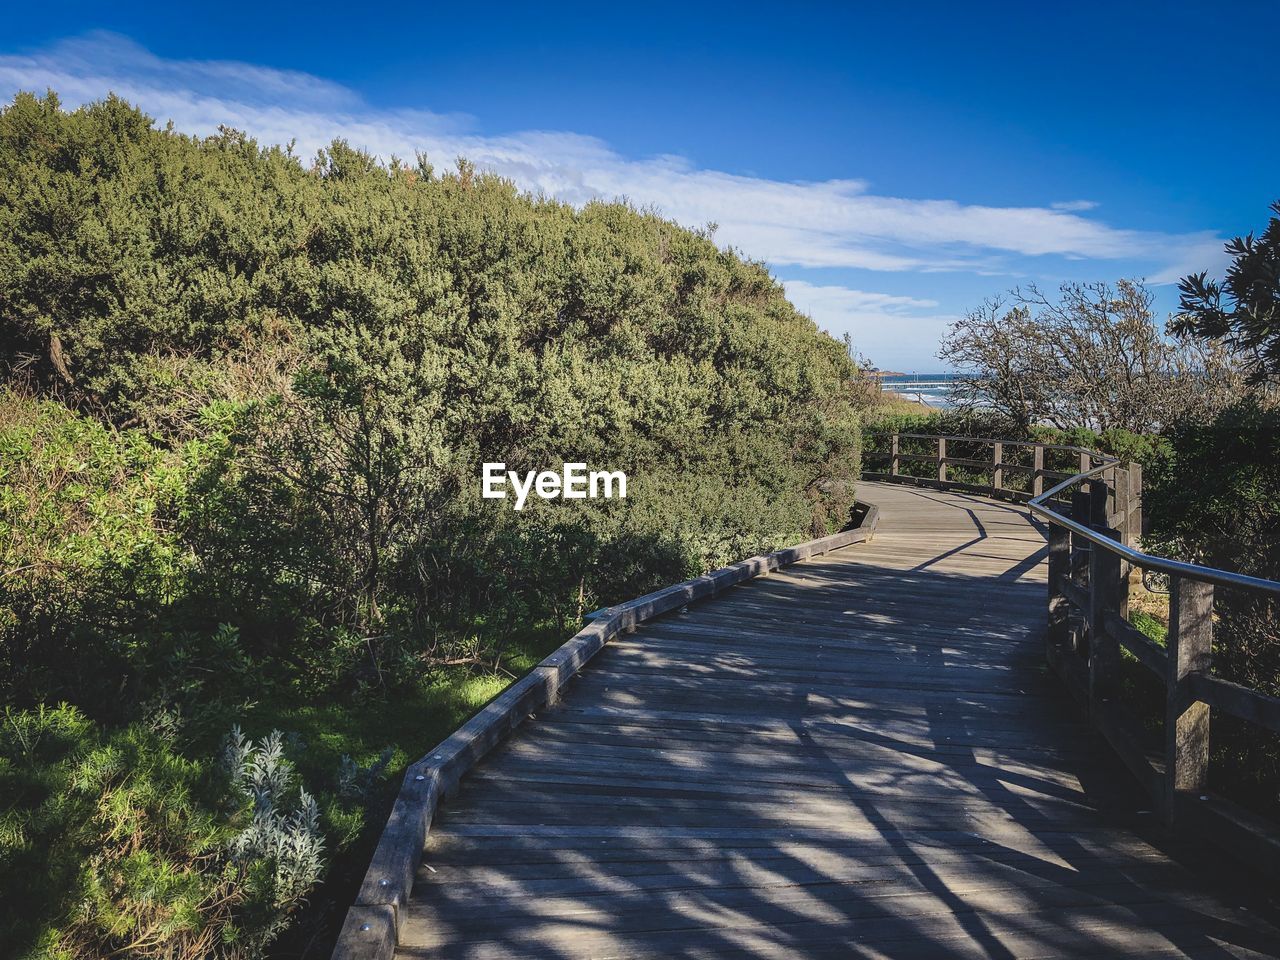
<point x="87" y="549"/>
<point x="1214" y="498"/>
<point x="115" y="843"/>
<point x="1142" y="448"/>
<point x="247" y="403"/>
<point x="1094" y="356"/>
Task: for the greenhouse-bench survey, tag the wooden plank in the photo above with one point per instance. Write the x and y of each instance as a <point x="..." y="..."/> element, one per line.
<point x="1240" y="702"/>
<point x="858" y="755"/>
<point x="1075" y="593"/>
<point x="388" y="880"/>
<point x="1065" y="924"/>
<point x="1119" y="728"/>
<point x="1150" y="654"/>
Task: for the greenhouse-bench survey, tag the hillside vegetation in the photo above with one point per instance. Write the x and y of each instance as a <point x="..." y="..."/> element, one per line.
<point x="245" y="569"/>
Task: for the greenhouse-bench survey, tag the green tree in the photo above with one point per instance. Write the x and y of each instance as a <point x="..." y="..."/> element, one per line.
<point x="1243" y="311"/>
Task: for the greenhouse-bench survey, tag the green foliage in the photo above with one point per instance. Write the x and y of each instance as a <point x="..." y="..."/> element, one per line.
<point x="88" y="555"/>
<point x="114" y="842"/>
<point x="957" y="423"/>
<point x="1144" y="448"/>
<point x="1215" y="499"/>
<point x="1152" y="628"/>
<point x="1242" y="310"/>
<point x="248" y="400"/>
<point x="1216" y="494"/>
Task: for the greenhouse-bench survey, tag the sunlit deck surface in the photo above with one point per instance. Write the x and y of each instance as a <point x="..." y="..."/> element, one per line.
<point x="860" y="756"/>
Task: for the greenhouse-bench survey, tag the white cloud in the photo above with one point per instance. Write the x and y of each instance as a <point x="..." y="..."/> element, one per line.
<point x="894" y="331"/>
<point x="834" y="223"/>
<point x="837" y="223"/>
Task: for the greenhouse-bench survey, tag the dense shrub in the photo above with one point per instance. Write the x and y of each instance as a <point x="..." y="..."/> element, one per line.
<point x="1215" y="499"/>
<point x="135" y="849"/>
<point x="87" y="548"/>
<point x="1144" y="448"/>
<point x="248" y="400"/>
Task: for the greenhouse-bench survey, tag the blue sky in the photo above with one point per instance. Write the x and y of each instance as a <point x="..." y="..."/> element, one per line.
<point x="893" y="164"/>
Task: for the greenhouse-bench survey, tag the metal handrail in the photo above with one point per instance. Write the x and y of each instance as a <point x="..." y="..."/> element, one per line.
<point x="1040" y="507"/>
<point x="1087" y="631"/>
<point x="1147" y="561"/>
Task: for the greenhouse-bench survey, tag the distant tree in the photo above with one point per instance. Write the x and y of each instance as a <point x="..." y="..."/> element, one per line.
<point x="1002" y="352"/>
<point x="1244" y="310"/>
<point x="1093" y="357"/>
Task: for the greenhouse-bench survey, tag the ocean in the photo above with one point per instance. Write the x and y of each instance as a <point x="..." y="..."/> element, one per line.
<point x="931" y="388"/>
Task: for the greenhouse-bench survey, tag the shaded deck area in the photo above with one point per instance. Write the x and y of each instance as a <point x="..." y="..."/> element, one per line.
<point x="862" y="755"/>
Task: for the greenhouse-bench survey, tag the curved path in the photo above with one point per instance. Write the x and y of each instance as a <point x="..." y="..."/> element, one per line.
<point x="859" y="756"/>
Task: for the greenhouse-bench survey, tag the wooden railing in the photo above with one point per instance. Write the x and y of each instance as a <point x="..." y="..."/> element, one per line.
<point x="1094" y="522"/>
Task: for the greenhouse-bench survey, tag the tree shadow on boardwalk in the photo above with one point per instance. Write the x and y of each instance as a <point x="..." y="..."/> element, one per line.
<point x="863" y="757"/>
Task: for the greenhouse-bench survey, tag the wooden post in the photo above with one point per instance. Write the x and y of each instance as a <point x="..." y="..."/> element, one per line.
<point x="1186" y="723"/>
<point x="1134" y="523"/>
<point x="1086" y="461"/>
<point x="1080" y="547"/>
<point x="1097" y="502"/>
<point x="1078" y="570"/>
<point x="1119" y="501"/>
<point x="942" y="460"/>
<point x="893" y="456"/>
<point x="1104" y="598"/>
<point x="1037" y="470"/>
<point x="1059" y="630"/>
<point x="997" y="466"/>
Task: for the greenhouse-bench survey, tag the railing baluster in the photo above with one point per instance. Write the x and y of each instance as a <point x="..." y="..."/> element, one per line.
<point x="1037" y="467"/>
<point x="942" y="460"/>
<point x="1186" y="725"/>
<point x="1104" y="598"/>
<point x="1079" y="545"/>
<point x="1078" y="567"/>
<point x="997" y="466"/>
<point x="893" y="456"/>
<point x="1059" y="630"/>
<point x="1098" y="502"/>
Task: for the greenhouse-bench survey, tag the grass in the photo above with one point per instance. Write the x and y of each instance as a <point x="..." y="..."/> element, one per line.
<point x="1149" y="612"/>
<point x="1150" y="626"/>
<point x="408" y="724"/>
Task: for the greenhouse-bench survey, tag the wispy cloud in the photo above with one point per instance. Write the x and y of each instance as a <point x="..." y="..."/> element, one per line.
<point x="833" y="223"/>
<point x="887" y="328"/>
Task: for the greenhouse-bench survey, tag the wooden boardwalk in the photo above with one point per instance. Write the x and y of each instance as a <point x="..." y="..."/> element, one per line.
<point x="843" y="759"/>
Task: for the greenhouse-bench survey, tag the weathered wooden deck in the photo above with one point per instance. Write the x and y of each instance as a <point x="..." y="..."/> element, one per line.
<point x="846" y="758"/>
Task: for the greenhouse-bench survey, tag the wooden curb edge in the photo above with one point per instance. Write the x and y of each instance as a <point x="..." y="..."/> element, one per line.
<point x="370" y="930"/>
